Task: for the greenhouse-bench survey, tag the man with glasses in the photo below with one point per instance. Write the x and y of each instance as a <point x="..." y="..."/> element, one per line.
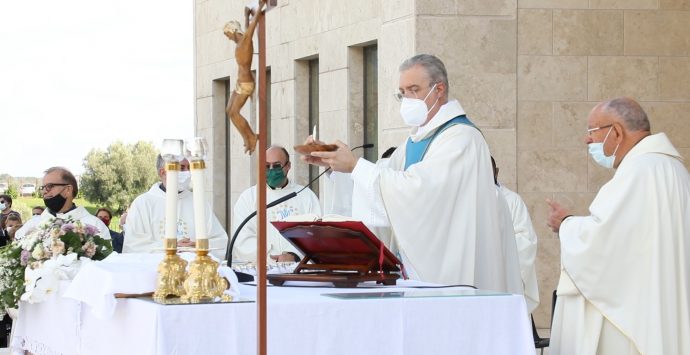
<point x="625" y="267"/>
<point x="437" y="189"/>
<point x="277" y="185"/>
<point x="145" y="228"/>
<point x="59" y="190"/>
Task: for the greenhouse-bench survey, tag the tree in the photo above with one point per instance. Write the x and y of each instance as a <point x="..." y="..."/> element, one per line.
<point x="115" y="177"/>
<point x="12" y="191"/>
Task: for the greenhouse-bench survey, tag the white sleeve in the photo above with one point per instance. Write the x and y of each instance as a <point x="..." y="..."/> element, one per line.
<point x="218" y="237"/>
<point x="367" y="203"/>
<point x="139" y="237"/>
<point x="245" y="245"/>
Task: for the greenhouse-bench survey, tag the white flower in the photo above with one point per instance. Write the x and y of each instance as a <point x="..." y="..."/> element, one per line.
<point x="58" y="247"/>
<point x="39" y="283"/>
<point x="43" y="280"/>
<point x="30" y="239"/>
<point x="66" y="266"/>
<point x="38" y="252"/>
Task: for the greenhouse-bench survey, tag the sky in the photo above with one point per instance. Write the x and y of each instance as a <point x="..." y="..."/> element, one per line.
<point x="77" y="75"/>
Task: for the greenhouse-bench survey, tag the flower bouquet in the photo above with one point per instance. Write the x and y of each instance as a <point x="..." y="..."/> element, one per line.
<point x="31" y="267"/>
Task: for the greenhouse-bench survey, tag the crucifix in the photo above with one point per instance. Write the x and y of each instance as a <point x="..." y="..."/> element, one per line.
<point x="244" y="52"/>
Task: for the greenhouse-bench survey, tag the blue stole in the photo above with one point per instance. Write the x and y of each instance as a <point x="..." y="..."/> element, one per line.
<point x="415" y="151"/>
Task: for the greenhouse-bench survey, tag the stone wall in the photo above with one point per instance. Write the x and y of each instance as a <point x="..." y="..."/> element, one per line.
<point x="527" y="72"/>
<point x="572" y="54"/>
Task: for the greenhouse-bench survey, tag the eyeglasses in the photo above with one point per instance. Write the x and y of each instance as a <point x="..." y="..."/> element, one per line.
<point x="275" y="165"/>
<point x="411" y="91"/>
<point x="48" y="187"/>
<point x="589" y="131"/>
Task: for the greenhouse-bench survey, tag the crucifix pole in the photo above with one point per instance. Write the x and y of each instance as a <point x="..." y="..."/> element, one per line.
<point x="261" y="346"/>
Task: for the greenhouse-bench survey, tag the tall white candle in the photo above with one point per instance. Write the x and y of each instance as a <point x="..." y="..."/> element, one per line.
<point x="171" y="151"/>
<point x="197" y="168"/>
<point x="171" y="203"/>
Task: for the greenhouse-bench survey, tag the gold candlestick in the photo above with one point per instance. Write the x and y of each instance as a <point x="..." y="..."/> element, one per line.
<point x="171" y="271"/>
<point x="171" y="274"/>
<point x="203" y="283"/>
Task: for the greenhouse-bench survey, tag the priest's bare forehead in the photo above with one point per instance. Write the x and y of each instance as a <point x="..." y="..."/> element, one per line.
<point x="286" y="155"/>
<point x="628" y="110"/>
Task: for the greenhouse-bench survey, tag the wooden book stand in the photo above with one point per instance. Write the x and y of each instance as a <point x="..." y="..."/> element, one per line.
<point x="343" y="253"/>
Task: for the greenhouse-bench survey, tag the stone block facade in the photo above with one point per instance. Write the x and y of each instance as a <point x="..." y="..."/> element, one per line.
<point x="526" y="71"/>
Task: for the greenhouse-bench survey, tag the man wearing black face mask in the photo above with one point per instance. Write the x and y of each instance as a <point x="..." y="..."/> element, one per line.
<point x="277" y="185"/>
<point x="59" y="189"/>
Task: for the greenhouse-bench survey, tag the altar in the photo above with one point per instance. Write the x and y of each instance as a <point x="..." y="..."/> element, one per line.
<point x="410" y="318"/>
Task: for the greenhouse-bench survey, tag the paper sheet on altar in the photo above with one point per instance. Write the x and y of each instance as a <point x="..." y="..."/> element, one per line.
<point x="97" y="282"/>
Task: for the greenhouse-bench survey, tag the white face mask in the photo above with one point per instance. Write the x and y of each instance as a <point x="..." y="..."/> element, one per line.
<point x="596" y="151"/>
<point x="2" y="206"/>
<point x="183" y="179"/>
<point x="414" y="111"/>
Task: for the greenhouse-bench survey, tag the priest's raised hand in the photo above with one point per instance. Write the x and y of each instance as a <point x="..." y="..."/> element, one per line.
<point x="342" y="160"/>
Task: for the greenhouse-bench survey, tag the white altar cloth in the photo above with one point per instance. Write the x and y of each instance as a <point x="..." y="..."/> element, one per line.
<point x="300" y="321"/>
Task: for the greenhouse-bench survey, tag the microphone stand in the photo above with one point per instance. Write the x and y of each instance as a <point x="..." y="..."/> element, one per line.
<point x="242" y="277"/>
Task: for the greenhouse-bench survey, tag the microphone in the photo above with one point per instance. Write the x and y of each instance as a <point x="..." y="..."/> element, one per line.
<point x="228" y="253"/>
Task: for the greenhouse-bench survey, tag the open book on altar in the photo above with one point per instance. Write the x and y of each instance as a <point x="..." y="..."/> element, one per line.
<point x="336" y="249"/>
<point x="313" y="217"/>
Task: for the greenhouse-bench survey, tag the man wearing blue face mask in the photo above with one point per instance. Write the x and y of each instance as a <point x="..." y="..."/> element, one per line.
<point x="437" y="190"/>
<point x="277" y="185"/>
<point x="625" y="268"/>
<point x="145" y="228"/>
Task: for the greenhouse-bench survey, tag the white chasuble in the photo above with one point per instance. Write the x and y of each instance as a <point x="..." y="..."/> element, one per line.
<point x="625" y="275"/>
<point x="510" y="250"/>
<point x="526" y="239"/>
<point x="245" y="246"/>
<point x="443" y="209"/>
<point x="78" y="214"/>
<point x="145" y="227"/>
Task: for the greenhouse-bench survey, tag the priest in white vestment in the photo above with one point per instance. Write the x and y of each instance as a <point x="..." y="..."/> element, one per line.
<point x="526" y="240"/>
<point x="437" y="191"/>
<point x="625" y="277"/>
<point x="338" y="195"/>
<point x="145" y="227"/>
<point x="59" y="189"/>
<point x="277" y="185"/>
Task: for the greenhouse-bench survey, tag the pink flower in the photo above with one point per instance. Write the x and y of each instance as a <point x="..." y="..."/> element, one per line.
<point x="91" y="230"/>
<point x="58" y="247"/>
<point x="68" y="227"/>
<point x="89" y="249"/>
<point x="24" y="257"/>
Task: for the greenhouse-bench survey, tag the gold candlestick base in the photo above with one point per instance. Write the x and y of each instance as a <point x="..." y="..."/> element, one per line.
<point x="203" y="282"/>
<point x="171" y="275"/>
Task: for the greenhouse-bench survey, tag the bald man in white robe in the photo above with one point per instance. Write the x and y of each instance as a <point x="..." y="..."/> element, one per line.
<point x="625" y="277"/>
